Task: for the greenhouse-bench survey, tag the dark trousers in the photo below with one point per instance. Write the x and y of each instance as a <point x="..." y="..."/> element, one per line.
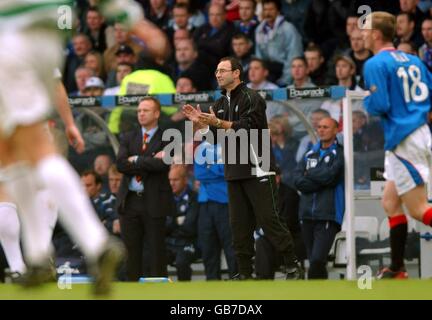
<point x="254" y="202"/>
<point x="182" y="258"/>
<point x="138" y="226"/>
<point x="214" y="234"/>
<point x="318" y="237"/>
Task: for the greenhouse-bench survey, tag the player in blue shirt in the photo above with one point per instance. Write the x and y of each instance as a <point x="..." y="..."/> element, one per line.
<point x="398" y="85"/>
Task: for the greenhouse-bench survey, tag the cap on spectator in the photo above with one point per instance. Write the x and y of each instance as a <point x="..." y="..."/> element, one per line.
<point x="346" y="59"/>
<point x="94" y="82"/>
<point x="124" y="49"/>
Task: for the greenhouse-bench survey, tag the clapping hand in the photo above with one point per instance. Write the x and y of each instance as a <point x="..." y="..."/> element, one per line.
<point x="208" y="118"/>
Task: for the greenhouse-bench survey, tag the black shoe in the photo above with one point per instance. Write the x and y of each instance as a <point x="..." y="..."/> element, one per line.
<point x="295" y="271"/>
<point x="37" y="275"/>
<point x="242" y="277"/>
<point x="106" y="266"/>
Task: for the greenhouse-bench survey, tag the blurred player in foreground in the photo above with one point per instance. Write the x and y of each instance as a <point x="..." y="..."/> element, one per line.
<point x="30" y="51"/>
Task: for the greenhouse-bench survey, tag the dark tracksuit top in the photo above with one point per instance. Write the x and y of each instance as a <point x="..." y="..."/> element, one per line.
<point x="246" y="110"/>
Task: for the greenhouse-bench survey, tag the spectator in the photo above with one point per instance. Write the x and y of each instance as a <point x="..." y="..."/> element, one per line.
<point x="182" y="225"/>
<point x="241" y="47"/>
<point x="258" y="74"/>
<point x="345" y="74"/>
<point x="158" y="13"/>
<point x="124" y="54"/>
<point x="319" y="177"/>
<point x="425" y="51"/>
<point x="411" y="7"/>
<point x="316" y="65"/>
<point x="214" y="231"/>
<point x="306" y="142"/>
<point x="92" y="183"/>
<point x="299" y="74"/>
<point x="81" y="46"/>
<point x="101" y="166"/>
<point x="368" y="146"/>
<point x="82" y="74"/>
<point x="213" y="39"/>
<point x="197" y="18"/>
<point x="351" y="25"/>
<point x="94" y="87"/>
<point x="122" y="38"/>
<point x="181" y="34"/>
<point x="406" y="29"/>
<point x="284" y="147"/>
<point x="358" y="53"/>
<point x="185" y="85"/>
<point x="114" y="180"/>
<point x="407" y="47"/>
<point x="93" y="60"/>
<point x="180" y="21"/>
<point x="248" y="21"/>
<point x="145" y="198"/>
<point x="123" y="69"/>
<point x="95" y="29"/>
<point x="186" y="56"/>
<point x="277" y="42"/>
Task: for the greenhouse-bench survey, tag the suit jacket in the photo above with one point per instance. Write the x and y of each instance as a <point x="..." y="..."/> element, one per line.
<point x="158" y="196"/>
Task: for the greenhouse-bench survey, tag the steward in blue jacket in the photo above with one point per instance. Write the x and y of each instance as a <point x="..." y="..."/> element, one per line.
<point x="319" y="177"/>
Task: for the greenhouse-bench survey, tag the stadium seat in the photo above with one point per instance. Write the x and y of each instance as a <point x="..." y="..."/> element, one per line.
<point x="365" y="227"/>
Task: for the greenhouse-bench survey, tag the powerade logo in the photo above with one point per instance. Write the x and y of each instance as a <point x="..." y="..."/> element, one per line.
<point x="129" y="100"/>
<point x="192" y="97"/>
<point x="309" y="93"/>
<point x="85" y="101"/>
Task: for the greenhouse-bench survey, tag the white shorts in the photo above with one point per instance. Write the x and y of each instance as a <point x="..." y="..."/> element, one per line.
<point x="27" y="61"/>
<point x="410" y="163"/>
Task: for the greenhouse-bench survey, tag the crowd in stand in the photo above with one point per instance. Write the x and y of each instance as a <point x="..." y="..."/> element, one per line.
<point x="276" y="35"/>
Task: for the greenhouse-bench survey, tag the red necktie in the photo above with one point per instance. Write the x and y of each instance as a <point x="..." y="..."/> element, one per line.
<point x="143" y="149"/>
<point x="145" y="142"/>
<point x="340" y="129"/>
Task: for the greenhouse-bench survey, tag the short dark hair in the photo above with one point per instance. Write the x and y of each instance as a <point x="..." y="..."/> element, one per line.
<point x="154" y="99"/>
<point x="301" y="58"/>
<point x="241" y="35"/>
<point x="410" y="16"/>
<point x="277" y="3"/>
<point x="235" y="64"/>
<point x="261" y="61"/>
<point x="182" y="6"/>
<point x="91" y="172"/>
<point x="314" y="48"/>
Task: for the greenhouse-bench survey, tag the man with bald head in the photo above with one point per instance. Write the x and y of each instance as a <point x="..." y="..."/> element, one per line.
<point x="319" y="177"/>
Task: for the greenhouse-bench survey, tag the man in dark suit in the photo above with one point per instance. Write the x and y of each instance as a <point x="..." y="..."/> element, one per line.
<point x="145" y="197"/>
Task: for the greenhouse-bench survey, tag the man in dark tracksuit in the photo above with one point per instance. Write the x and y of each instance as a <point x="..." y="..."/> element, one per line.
<point x="319" y="177"/>
<point x="182" y="225"/>
<point x="252" y="197"/>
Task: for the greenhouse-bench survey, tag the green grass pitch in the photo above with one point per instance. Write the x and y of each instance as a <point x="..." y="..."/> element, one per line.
<point x="229" y="290"/>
